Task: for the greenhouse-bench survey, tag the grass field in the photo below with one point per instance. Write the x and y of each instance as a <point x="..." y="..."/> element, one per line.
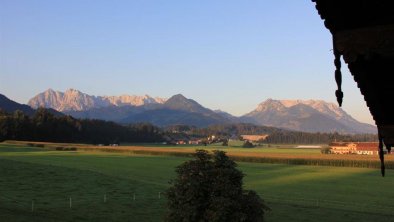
<point x="125" y="187"/>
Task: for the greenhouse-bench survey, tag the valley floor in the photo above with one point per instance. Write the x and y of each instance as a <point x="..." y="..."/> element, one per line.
<point x="40" y="184"/>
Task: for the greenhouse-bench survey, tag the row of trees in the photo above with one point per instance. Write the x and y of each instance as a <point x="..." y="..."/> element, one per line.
<point x="291" y="137"/>
<point x="231" y="130"/>
<point x="44" y="126"/>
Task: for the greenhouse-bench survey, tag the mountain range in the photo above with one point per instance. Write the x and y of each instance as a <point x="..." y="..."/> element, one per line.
<point x="74" y="100"/>
<point x="306" y="115"/>
<point x="299" y="115"/>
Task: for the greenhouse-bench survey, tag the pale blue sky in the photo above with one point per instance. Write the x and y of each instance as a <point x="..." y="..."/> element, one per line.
<point x="228" y="55"/>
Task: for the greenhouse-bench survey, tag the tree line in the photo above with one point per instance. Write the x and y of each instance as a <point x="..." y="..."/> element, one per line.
<point x="44" y="126"/>
<point x="292" y="137"/>
<point x="275" y="135"/>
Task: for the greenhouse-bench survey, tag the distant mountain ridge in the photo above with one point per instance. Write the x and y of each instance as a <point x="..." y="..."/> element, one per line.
<point x="306" y="115"/>
<point x="74" y="100"/>
<point x="299" y="115"/>
<point x="179" y="110"/>
<point x="175" y="110"/>
<point x="10" y="106"/>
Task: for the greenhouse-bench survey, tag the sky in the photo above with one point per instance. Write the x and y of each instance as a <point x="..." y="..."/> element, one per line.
<point x="225" y="54"/>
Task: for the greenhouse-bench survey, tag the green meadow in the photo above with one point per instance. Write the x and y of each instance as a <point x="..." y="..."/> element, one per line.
<point x="38" y="184"/>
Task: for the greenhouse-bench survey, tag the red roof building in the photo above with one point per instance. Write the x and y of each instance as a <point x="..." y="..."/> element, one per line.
<point x="363" y="148"/>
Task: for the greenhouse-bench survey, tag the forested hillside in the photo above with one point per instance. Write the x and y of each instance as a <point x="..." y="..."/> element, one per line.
<point x="44" y="126"/>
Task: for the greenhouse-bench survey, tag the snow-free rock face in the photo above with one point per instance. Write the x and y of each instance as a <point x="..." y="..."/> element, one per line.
<point x="74" y="100"/>
<point x="125" y="100"/>
<point x="48" y="99"/>
<point x="306" y="115"/>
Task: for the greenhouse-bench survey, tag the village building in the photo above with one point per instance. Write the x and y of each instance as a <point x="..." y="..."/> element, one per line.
<point x="254" y="138"/>
<point x="363" y="148"/>
<point x="181" y="142"/>
<point x="195" y="142"/>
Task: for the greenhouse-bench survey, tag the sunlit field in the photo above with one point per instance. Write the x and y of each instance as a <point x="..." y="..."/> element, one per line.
<point x="38" y="184"/>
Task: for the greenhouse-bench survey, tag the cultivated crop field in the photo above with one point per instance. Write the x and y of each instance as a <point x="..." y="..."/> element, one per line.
<point x="45" y="184"/>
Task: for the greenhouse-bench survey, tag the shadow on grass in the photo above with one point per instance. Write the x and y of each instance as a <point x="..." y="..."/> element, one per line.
<point x="94" y="196"/>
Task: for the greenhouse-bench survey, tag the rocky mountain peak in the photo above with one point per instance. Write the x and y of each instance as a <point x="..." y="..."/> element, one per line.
<point x="331" y="109"/>
<point x="75" y="100"/>
<point x="306" y="115"/>
<point x="178" y="97"/>
<point x="179" y="100"/>
<point x="71" y="90"/>
<point x="270" y="104"/>
<point x="322" y="106"/>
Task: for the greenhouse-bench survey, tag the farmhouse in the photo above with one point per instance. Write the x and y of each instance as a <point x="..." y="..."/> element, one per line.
<point x="366" y="148"/>
<point x="254" y="138"/>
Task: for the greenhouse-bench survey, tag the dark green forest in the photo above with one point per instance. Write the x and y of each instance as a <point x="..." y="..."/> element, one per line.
<point x="44" y="126"/>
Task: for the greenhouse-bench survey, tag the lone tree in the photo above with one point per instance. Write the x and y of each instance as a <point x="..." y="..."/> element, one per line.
<point x="209" y="188"/>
